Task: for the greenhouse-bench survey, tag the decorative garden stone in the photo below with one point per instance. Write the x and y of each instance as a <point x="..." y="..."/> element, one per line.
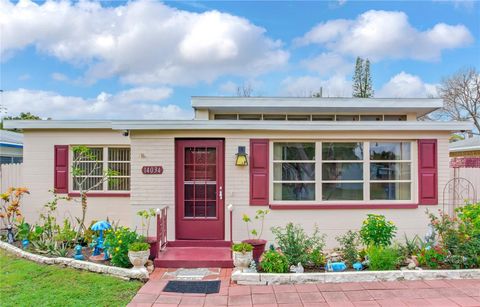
<point x="138" y="259"/>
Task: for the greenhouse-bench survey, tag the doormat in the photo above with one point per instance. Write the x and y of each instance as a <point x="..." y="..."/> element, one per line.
<point x="183" y="286"/>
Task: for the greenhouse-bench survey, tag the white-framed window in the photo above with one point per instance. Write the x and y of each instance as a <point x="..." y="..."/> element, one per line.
<point x="105" y="158"/>
<point x="294" y="171"/>
<point x="339" y="171"/>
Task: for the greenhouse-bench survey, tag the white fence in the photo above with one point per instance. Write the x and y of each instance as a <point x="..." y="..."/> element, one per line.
<point x="10" y="176"/>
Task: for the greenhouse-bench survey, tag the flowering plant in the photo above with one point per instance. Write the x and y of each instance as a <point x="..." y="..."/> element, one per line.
<point x="10" y="209"/>
<point x="376" y="230"/>
<point x="117" y="242"/>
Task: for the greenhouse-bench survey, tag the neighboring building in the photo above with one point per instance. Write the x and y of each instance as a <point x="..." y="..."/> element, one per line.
<point x="11" y="147"/>
<point x="465" y="163"/>
<point x="312" y="161"/>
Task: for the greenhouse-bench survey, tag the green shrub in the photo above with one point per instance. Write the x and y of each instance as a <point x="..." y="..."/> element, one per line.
<point x="295" y="244"/>
<point x="459" y="237"/>
<point x="242" y="247"/>
<point x="118" y="241"/>
<point x="376" y="230"/>
<point x="349" y="245"/>
<point x="316" y="258"/>
<point x="274" y="262"/>
<point x="432" y="258"/>
<point x="138" y="247"/>
<point x="383" y="258"/>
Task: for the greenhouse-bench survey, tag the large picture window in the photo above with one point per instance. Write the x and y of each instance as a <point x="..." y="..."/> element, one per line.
<point x="360" y="171"/>
<point x="294" y="171"/>
<point x="116" y="159"/>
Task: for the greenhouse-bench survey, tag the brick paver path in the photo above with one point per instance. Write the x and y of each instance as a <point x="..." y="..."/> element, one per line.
<point x="436" y="293"/>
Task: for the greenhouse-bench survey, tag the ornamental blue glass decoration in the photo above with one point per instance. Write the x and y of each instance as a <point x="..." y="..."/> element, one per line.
<point x="357" y="266"/>
<point x="78" y="252"/>
<point x="25" y="243"/>
<point x="335" y="266"/>
<point x="100" y="226"/>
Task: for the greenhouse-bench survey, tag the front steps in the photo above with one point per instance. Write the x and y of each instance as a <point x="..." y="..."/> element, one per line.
<point x="195" y="254"/>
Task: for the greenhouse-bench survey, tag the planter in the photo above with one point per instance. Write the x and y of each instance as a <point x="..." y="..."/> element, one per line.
<point x="258" y="248"/>
<point x="138" y="259"/>
<point x="241" y="260"/>
<point x="153" y="247"/>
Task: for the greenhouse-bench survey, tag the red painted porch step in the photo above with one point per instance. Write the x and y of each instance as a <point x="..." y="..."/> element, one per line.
<point x="195" y="257"/>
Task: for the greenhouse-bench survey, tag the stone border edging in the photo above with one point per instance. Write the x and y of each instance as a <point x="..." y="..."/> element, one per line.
<point x="362" y="276"/>
<point x="77" y="264"/>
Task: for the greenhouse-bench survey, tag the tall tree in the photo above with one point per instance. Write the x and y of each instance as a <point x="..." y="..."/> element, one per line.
<point x="461" y="96"/>
<point x="21" y="116"/>
<point x="357" y="78"/>
<point x="362" y="80"/>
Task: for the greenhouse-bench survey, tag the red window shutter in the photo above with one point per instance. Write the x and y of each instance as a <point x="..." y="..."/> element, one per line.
<point x="427" y="172"/>
<point x="259" y="181"/>
<point x="61" y="169"/>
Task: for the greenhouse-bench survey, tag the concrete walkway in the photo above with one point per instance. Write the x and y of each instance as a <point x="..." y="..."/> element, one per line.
<point x="396" y="293"/>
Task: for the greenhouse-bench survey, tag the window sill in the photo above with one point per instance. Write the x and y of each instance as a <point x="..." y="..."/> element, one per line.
<point x="343" y="206"/>
<point x="100" y="194"/>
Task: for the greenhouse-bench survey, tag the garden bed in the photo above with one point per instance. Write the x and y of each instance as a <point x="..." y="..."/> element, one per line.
<point x="338" y="277"/>
<point x="76" y="264"/>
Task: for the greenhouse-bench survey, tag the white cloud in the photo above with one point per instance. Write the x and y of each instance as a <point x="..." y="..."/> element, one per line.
<point x="404" y="85"/>
<point x="142" y="41"/>
<point x="305" y="86"/>
<point x="228" y="88"/>
<point x="136" y="103"/>
<point x="386" y="34"/>
<point x="328" y="64"/>
<point x="57" y="76"/>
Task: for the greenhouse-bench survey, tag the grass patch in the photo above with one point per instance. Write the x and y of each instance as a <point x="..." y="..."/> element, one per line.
<point x="26" y="283"/>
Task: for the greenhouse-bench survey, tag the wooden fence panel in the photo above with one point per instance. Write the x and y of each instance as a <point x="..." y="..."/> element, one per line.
<point x="10" y="176"/>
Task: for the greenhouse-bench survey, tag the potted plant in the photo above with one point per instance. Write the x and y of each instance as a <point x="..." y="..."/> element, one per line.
<point x="138" y="253"/>
<point x="254" y="235"/>
<point x="242" y="255"/>
<point x="146" y="216"/>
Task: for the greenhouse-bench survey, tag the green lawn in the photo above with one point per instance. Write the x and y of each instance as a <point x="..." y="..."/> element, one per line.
<point x="26" y="283"/>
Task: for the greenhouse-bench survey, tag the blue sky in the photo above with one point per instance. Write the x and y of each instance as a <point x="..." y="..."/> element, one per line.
<point x="144" y="59"/>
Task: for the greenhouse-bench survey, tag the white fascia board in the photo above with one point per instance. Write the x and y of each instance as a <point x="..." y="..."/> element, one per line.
<point x="242" y="125"/>
<point x="466" y="148"/>
<point x="420" y="106"/>
<point x="57" y="124"/>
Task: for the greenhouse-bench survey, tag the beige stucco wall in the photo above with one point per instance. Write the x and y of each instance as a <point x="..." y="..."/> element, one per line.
<point x="152" y="191"/>
<point x="157" y="148"/>
<point x="38" y="170"/>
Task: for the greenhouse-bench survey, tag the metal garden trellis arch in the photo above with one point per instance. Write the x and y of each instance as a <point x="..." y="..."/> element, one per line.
<point x="456" y="193"/>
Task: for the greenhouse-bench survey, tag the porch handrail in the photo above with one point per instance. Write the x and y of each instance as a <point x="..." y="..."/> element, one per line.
<point x="162" y="227"/>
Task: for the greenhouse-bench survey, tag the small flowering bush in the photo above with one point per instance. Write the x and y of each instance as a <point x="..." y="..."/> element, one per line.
<point x="117" y="242"/>
<point x="376" y="230"/>
<point x="10" y="205"/>
<point x="459" y="237"/>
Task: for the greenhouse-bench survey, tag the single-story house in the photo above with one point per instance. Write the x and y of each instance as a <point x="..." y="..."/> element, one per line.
<point x="11" y="147"/>
<point x="311" y="161"/>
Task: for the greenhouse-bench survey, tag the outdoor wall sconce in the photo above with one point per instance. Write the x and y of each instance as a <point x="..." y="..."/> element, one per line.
<point x="241" y="157"/>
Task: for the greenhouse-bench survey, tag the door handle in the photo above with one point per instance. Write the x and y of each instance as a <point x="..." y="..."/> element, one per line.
<point x="220" y="193"/>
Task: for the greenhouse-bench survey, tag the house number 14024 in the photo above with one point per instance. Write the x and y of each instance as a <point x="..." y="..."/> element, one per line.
<point x="152" y="170"/>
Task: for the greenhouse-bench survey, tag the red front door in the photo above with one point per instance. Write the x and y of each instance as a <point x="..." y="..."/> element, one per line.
<point x="199" y="167"/>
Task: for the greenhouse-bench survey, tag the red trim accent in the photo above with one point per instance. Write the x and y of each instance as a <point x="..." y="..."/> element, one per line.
<point x="60" y="170"/>
<point x="344" y="206"/>
<point x="100" y="194"/>
<point x="199" y="243"/>
<point x="259" y="178"/>
<point x="427" y="172"/>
